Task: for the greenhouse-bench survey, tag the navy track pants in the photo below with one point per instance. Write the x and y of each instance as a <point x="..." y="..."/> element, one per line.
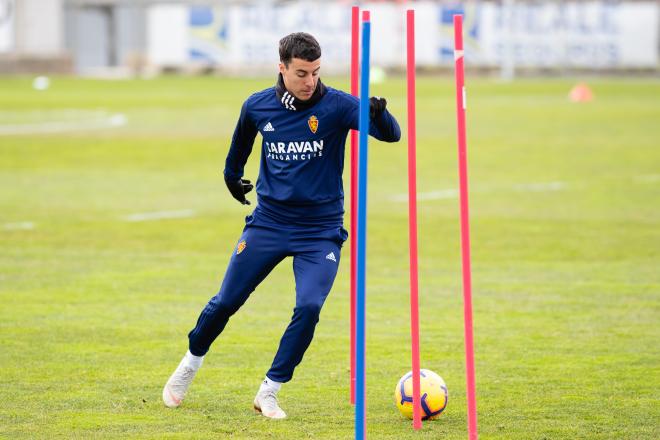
<point x="261" y="247"/>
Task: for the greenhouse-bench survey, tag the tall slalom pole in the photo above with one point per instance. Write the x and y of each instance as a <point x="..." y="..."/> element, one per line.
<point x="355" y="71"/>
<point x="412" y="217"/>
<point x="360" y="375"/>
<point x="461" y="106"/>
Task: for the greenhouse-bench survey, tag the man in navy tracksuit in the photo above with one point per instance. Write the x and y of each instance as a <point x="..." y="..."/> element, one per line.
<point x="299" y="212"/>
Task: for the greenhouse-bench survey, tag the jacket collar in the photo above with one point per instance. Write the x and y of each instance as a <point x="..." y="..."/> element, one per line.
<point x="292" y="103"/>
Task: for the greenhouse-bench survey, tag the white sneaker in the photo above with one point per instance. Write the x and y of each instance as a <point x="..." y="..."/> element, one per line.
<point x="266" y="403"/>
<point x="176" y="387"/>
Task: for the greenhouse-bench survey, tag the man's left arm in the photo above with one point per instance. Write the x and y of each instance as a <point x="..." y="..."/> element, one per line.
<point x="382" y="125"/>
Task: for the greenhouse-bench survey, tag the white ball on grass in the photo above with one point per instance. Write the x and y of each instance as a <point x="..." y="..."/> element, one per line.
<point x="41" y="83"/>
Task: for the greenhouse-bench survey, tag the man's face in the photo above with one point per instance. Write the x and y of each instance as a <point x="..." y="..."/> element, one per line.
<point x="300" y="77"/>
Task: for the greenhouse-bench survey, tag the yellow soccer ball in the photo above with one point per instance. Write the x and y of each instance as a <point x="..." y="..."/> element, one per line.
<point x="432" y="390"/>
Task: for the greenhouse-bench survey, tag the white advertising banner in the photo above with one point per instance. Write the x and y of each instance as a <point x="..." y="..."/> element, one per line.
<point x="167" y="34"/>
<point x="7" y="8"/>
<point x="245" y="37"/>
<point x="606" y="34"/>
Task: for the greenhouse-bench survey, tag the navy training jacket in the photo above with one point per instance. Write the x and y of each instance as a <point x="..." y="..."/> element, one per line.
<point x="302" y="154"/>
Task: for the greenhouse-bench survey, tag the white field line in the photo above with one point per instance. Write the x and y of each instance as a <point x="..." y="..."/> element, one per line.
<point x="647" y="178"/>
<point x="452" y="193"/>
<point x="96" y="123"/>
<point x="431" y="195"/>
<point x="540" y="187"/>
<point x="19" y="226"/>
<point x="159" y="215"/>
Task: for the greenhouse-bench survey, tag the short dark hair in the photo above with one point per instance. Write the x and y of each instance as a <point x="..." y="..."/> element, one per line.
<point x="299" y="45"/>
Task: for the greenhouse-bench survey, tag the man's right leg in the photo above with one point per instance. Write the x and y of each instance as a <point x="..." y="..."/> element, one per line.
<point x="257" y="253"/>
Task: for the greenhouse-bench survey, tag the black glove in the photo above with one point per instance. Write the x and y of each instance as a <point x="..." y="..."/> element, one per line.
<point x="238" y="188"/>
<point x="376" y="106"/>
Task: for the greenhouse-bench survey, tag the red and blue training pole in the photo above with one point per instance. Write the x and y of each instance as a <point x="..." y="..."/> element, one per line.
<point x="360" y="376"/>
<point x="412" y="218"/>
<point x="355" y="70"/>
<point x="461" y="106"/>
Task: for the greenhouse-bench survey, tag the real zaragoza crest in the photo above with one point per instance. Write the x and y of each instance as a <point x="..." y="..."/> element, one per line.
<point x="313" y="123"/>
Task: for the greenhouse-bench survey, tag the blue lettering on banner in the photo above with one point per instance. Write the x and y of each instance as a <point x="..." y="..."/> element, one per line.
<point x="551" y="34"/>
<point x="472" y="23"/>
<point x="200" y="16"/>
<point x="208" y="36"/>
<point x="547" y="18"/>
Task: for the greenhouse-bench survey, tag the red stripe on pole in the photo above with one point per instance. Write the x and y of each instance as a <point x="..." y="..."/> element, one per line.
<point x="412" y="219"/>
<point x="355" y="71"/>
<point x="465" y="227"/>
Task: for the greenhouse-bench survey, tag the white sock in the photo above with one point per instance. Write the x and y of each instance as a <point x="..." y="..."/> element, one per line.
<point x="193" y="361"/>
<point x="270" y="385"/>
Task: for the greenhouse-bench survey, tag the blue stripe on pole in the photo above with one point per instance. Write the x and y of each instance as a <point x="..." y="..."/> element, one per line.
<point x="360" y="343"/>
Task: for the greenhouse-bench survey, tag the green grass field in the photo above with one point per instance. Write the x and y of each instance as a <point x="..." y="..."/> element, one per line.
<point x="565" y="204"/>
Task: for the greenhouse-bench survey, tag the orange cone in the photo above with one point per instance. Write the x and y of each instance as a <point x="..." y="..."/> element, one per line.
<point x="581" y="93"/>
